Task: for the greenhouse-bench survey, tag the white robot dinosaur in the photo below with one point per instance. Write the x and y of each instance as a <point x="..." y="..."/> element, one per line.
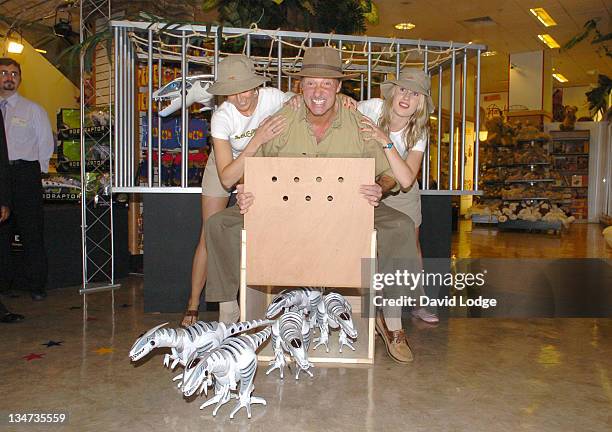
<point x="184" y="342"/>
<point x="335" y="312"/>
<point x="196" y="87"/>
<point x="304" y="299"/>
<point x="291" y="334"/>
<point x="233" y="361"/>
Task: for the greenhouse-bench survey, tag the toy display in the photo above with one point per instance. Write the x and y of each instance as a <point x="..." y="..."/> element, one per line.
<point x="522" y="178"/>
<point x="223" y="354"/>
<point x="232" y="362"/>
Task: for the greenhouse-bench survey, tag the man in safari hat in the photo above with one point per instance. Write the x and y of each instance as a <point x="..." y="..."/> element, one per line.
<point x="321" y="127"/>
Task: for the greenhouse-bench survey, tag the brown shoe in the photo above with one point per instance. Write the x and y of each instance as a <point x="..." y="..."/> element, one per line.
<point x="395" y="341"/>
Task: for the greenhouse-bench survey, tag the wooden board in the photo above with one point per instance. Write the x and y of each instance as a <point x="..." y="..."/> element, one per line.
<point x="308" y="225"/>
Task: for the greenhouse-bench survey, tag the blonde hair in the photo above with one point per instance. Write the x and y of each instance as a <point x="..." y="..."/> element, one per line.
<point x="418" y="125"/>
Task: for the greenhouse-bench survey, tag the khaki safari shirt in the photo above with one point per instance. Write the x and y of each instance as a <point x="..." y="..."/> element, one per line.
<point x="342" y="139"/>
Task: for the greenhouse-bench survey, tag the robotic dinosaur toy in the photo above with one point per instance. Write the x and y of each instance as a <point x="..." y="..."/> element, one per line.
<point x="200" y="337"/>
<point x="234" y="360"/>
<point x="301" y="299"/>
<point x="291" y="333"/>
<point x="335" y="312"/>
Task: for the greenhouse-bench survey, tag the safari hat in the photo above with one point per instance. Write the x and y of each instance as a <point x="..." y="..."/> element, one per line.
<point x="322" y="62"/>
<point x="412" y="79"/>
<point x="235" y="74"/>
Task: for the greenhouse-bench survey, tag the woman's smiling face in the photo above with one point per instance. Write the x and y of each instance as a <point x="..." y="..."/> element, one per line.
<point x="405" y="102"/>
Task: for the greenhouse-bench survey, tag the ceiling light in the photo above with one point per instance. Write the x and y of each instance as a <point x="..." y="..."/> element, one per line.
<point x="549" y="41"/>
<point x="404" y="26"/>
<point x="543" y="17"/>
<point x="489" y="53"/>
<point x="15" y="47"/>
<point x="559" y="77"/>
<point x="42" y="51"/>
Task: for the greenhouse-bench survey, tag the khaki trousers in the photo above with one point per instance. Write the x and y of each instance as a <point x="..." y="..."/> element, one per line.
<point x="395" y="242"/>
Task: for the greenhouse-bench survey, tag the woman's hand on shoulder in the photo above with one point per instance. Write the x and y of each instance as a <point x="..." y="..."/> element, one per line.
<point x="348" y="102"/>
<point x="372" y="131"/>
<point x="295" y="102"/>
<point x="270" y="128"/>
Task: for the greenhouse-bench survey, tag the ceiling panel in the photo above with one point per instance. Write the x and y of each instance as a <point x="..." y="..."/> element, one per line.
<point x="515" y="31"/>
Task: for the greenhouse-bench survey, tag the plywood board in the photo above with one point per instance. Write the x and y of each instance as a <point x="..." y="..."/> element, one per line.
<point x="308" y="225"/>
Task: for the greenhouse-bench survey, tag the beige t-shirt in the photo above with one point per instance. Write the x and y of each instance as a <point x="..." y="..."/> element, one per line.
<point x="342" y="139"/>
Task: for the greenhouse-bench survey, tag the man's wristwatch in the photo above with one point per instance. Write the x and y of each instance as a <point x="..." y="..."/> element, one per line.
<point x="388" y="146"/>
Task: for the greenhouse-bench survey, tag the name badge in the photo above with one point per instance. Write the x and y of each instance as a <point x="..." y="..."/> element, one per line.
<point x="18" y="121"/>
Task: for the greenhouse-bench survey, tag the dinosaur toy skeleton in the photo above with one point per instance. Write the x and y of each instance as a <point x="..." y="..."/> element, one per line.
<point x="234" y="360"/>
<point x="200" y="337"/>
<point x="291" y="333"/>
<point x="335" y="312"/>
<point x="301" y="299"/>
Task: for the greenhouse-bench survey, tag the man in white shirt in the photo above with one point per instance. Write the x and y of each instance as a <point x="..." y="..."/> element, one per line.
<point x="30" y="146"/>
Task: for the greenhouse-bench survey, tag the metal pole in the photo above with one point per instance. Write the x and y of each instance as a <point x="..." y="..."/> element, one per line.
<point x="248" y="45"/>
<point x="361" y="86"/>
<point x="425" y="162"/>
<point x="131" y="113"/>
<point x="216" y="55"/>
<point x="398" y="61"/>
<point x="116" y="100"/>
<point x="279" y="64"/>
<point x="150" y="111"/>
<point x="451" y="135"/>
<point x="439" y="176"/>
<point x="477" y="126"/>
<point x="121" y="106"/>
<point x="184" y="120"/>
<point x="82" y="159"/>
<point x="463" y="109"/>
<point x="369" y="69"/>
<point x="159" y="123"/>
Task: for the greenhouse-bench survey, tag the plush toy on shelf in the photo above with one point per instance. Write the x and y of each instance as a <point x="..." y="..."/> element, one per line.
<point x="569" y="120"/>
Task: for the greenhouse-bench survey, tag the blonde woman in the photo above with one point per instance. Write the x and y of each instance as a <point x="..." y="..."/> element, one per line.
<point x="400" y="122"/>
<point x="239" y="126"/>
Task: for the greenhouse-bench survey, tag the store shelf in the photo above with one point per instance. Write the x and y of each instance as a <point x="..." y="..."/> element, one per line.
<point x="530" y="181"/>
<point x="484" y="219"/>
<point x="569" y="154"/>
<point x="535" y="140"/>
<point x="520" y="224"/>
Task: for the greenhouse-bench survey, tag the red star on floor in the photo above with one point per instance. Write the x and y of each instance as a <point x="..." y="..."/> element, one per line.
<point x="33" y="356"/>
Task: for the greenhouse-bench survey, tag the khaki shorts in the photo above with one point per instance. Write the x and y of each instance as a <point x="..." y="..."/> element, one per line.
<point x="211" y="185"/>
<point x="408" y="203"/>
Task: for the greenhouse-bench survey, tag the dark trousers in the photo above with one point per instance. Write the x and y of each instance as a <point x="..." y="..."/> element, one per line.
<point x="27" y="219"/>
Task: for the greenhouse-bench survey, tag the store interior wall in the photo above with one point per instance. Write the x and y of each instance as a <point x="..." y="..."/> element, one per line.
<point x="525" y="85"/>
<point x="576" y="96"/>
<point x="43" y="83"/>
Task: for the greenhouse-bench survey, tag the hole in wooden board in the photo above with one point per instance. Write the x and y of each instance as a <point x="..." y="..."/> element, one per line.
<point x="330" y="198"/>
<point x="285" y="198"/>
<point x="340" y="179"/>
<point x="296" y="179"/>
<point x="274" y="178"/>
<point x="307" y="197"/>
<point x="319" y="179"/>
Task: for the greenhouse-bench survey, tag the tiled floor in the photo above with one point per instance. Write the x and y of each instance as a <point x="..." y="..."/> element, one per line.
<point x="484" y="241"/>
<point x="468" y="375"/>
<point x="485" y="374"/>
